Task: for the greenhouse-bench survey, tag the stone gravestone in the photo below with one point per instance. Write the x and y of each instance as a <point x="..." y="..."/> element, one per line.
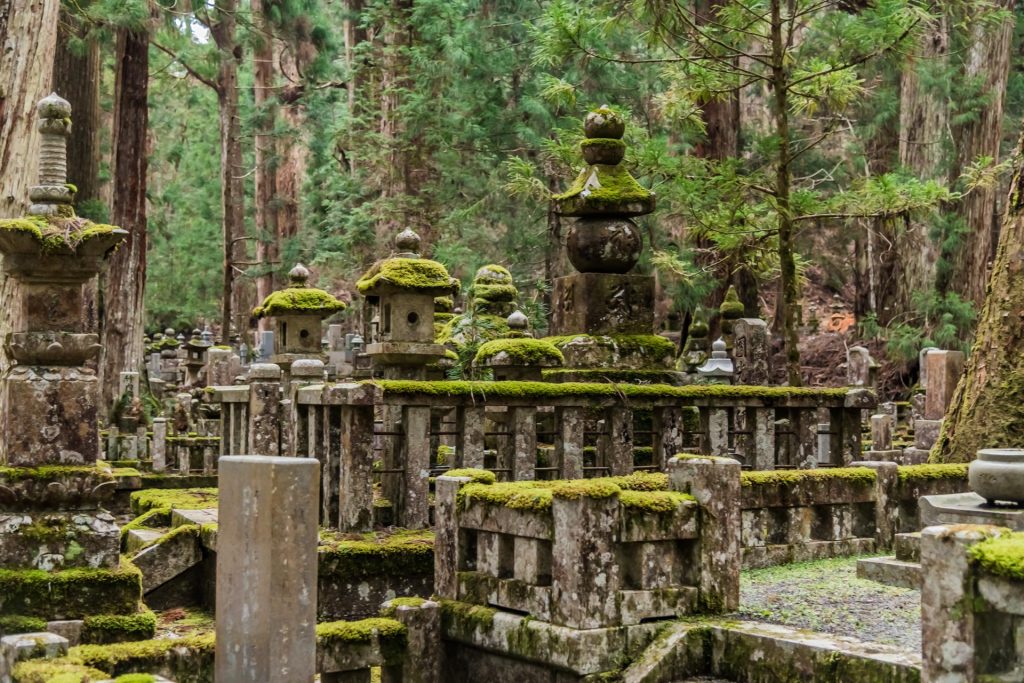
<point x="751" y="352"/>
<point x="943" y="374"/>
<point x="861" y="368"/>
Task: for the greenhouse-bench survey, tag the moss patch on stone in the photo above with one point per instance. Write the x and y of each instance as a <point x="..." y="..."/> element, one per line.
<point x="522" y="495"/>
<point x="492" y="274"/>
<point x="605" y="184"/>
<point x="652" y="345"/>
<point x="928" y="472"/>
<point x="123" y="658"/>
<point x="101" y="629"/>
<point x="537" y="496"/>
<point x="1001" y="555"/>
<point x="183" y="499"/>
<point x="151" y="519"/>
<point x="407" y="273"/>
<point x="585" y="488"/>
<point x="477" y="475"/>
<point x="495" y="293"/>
<point x="15" y="623"/>
<point x="857" y="476"/>
<point x="72" y="593"/>
<point x="606" y="375"/>
<point x="524" y="351"/>
<point x="56" y="671"/>
<point x="395" y="603"/>
<point x="299" y="300"/>
<point x="443" y="304"/>
<point x="399" y="554"/>
<point x="390" y="634"/>
<point x="58" y="233"/>
<point x="466" y="615"/>
<point x="655" y="502"/>
<point x="135" y="678"/>
<point x="54" y="473"/>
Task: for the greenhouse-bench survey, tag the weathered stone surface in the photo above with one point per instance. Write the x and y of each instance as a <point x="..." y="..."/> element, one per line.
<point x="926" y="433"/>
<point x="861" y="368"/>
<point x="159" y="444"/>
<point x="168" y="558"/>
<point x="265" y="409"/>
<point x="881" y="432"/>
<point x="59" y="540"/>
<point x="267" y="569"/>
<point x="423" y="656"/>
<point x="943" y="372"/>
<point x="968" y="508"/>
<point x="890" y="571"/>
<point x="14" y="649"/>
<point x="602" y="303"/>
<point x="67" y="628"/>
<point x="751" y="351"/>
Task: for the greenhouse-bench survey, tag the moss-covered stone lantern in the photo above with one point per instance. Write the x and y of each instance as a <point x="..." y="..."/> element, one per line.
<point x="298" y="312"/>
<point x="399" y="307"/>
<point x="520" y="357"/>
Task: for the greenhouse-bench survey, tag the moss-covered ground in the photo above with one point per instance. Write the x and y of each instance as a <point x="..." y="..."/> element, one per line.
<point x="827" y="596"/>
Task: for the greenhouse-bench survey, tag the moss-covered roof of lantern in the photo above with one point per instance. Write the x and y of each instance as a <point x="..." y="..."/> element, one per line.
<point x="495" y="293"/>
<point x="59" y="232"/>
<point x="492" y="274"/>
<point x="523" y="351"/>
<point x="414" y="274"/>
<point x="602" y="189"/>
<point x="299" y="300"/>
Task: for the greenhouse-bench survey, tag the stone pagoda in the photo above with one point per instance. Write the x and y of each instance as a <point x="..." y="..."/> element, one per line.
<point x="297" y="313"/>
<point x="398" y="310"/>
<point x="51" y="489"/>
<point x="603" y="315"/>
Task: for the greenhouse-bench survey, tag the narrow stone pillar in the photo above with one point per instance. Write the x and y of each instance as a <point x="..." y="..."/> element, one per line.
<point x="947" y="597"/>
<point x="887" y="504"/>
<point x="669" y="439"/>
<point x="846" y="435"/>
<point x="881" y="432"/>
<point x="805" y="432"/>
<point x="586" y="576"/>
<point x="715" y="483"/>
<point x="355" y="476"/>
<point x="449" y="552"/>
<point x="159" y="444"/>
<point x="523" y="425"/>
<point x="762" y="424"/>
<point x="569" y="442"/>
<point x="413" y="506"/>
<point x="267" y="570"/>
<point x="264" y="409"/>
<point x="423" y="654"/>
<point x="470" y="425"/>
<point x="943" y="374"/>
<point x="718" y="432"/>
<point x="620" y="440"/>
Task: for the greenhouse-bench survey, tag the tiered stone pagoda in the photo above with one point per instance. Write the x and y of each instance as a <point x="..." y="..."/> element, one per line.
<point x="398" y="310"/>
<point x="603" y="316"/>
<point x="51" y="489"/>
<point x="298" y="312"/>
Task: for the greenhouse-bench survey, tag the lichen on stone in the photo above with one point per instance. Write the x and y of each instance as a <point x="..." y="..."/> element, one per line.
<point x="524" y="351"/>
<point x="407" y="273"/>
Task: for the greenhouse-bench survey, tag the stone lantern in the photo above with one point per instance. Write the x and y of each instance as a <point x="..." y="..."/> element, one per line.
<point x="519" y="357"/>
<point x="50" y="488"/>
<point x="195" y="357"/>
<point x="399" y="309"/>
<point x="297" y="313"/>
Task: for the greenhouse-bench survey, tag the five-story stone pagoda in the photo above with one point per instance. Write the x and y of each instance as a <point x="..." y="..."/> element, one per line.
<point x="602" y="317"/>
<point x="59" y="551"/>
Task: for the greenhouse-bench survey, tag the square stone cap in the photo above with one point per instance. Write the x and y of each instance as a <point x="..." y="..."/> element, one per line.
<point x="968" y="508"/>
<point x="275" y="460"/>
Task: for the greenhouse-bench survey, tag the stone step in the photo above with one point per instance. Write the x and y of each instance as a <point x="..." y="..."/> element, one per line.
<point x="137" y="539"/>
<point x="173" y="553"/>
<point x="890" y="571"/>
<point x="197" y="517"/>
<point x="908" y="547"/>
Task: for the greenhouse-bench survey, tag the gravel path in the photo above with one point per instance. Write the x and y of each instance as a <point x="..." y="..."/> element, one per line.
<point x="827" y="596"/>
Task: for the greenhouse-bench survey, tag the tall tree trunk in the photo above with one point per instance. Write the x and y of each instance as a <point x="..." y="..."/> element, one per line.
<point x="987" y="409"/>
<point x="28" y="36"/>
<point x="76" y="78"/>
<point x="267" y="247"/>
<point x="988" y="60"/>
<point x="126" y="277"/>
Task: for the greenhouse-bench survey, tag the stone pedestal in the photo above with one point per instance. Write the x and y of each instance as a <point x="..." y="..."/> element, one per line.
<point x="267" y="569"/>
<point x="751" y="351"/>
<point x="942" y="375"/>
<point x="602" y="303"/>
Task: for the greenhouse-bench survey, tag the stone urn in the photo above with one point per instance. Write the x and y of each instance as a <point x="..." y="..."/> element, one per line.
<point x="998" y="475"/>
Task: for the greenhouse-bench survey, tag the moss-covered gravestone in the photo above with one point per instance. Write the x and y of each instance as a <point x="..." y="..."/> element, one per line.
<point x="298" y="312"/>
<point x="399" y="310"/>
<point x="59" y="551"/>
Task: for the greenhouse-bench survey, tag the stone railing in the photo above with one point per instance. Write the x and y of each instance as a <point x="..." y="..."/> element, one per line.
<point x="598" y="553"/>
<point x="972" y="603"/>
<point x="801" y="515"/>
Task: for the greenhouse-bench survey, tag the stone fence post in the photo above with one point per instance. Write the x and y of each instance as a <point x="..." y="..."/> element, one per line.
<point x="887" y="504"/>
<point x="267" y="570"/>
<point x="448" y="543"/>
<point x="423" y="656"/>
<point x="715" y="483"/>
<point x="159" y="444"/>
<point x="264" y="409"/>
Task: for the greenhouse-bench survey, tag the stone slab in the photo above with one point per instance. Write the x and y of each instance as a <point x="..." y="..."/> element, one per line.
<point x="198" y="517"/>
<point x="602" y="303"/>
<point x="908" y="547"/>
<point x="890" y="571"/>
<point x="16" y="648"/>
<point x="166" y="559"/>
<point x="968" y="508"/>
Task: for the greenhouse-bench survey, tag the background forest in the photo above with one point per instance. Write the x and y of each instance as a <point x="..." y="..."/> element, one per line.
<point x="821" y="156"/>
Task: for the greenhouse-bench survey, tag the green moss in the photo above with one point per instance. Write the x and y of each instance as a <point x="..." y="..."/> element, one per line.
<point x="607" y="184"/>
<point x="58" y="233"/>
<point x="399" y="554"/>
<point x="122" y="658"/>
<point x="495" y="293"/>
<point x="547" y="390"/>
<point x="912" y="473"/>
<point x="59" y="670"/>
<point x="585" y="488"/>
<point x="362" y="631"/>
<point x="611" y="375"/>
<point x="524" y="351"/>
<point x="407" y="273"/>
<point x="395" y="603"/>
<point x="492" y="274"/>
<point x="650" y="345"/>
<point x="183" y="499"/>
<point x="53" y="473"/>
<point x="860" y="476"/>
<point x="731" y="307"/>
<point x="466" y="615"/>
<point x="536" y="496"/>
<point x="602" y="142"/>
<point x="529" y="496"/>
<point x="1000" y="555"/>
<point x="477" y="475"/>
<point x="151" y="519"/>
<point x="443" y="304"/>
<point x="654" y="502"/>
<point x="299" y="300"/>
<point x="135" y="678"/>
<point x="116" y="628"/>
<point x="72" y="593"/>
<point x="185" y="530"/>
<point x="44" y="530"/>
<point x="14" y="623"/>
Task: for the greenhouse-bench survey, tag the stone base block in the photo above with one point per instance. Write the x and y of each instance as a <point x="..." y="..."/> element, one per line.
<point x="71" y="594"/>
<point x="50" y="417"/>
<point x="623" y="358"/>
<point x="32" y="540"/>
<point x="14" y="649"/>
<point x="169" y="556"/>
<point x="915" y="456"/>
<point x="968" y="508"/>
<point x="908" y="547"/>
<point x="926" y="433"/>
<point x="602" y="303"/>
<point x="890" y="571"/>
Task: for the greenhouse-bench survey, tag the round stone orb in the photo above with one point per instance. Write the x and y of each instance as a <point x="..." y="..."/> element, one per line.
<point x="604" y="123"/>
<point x="603" y="151"/>
<point x="998" y="475"/>
<point x="604" y="245"/>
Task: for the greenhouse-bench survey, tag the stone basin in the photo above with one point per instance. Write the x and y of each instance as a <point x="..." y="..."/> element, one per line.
<point x="998" y="475"/>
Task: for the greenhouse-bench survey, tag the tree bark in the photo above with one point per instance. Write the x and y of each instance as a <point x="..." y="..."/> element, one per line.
<point x="987" y="409"/>
<point x="267" y="247"/>
<point x="76" y="78"/>
<point x="122" y="312"/>
<point x="988" y="59"/>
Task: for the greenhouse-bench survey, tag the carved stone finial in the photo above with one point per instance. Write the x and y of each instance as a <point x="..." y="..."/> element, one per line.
<point x="518" y="321"/>
<point x="52" y="193"/>
<point x="408" y="243"/>
<point x="298" y="276"/>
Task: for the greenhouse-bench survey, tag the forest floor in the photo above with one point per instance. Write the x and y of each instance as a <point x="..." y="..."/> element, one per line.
<point x="827" y="596"/>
